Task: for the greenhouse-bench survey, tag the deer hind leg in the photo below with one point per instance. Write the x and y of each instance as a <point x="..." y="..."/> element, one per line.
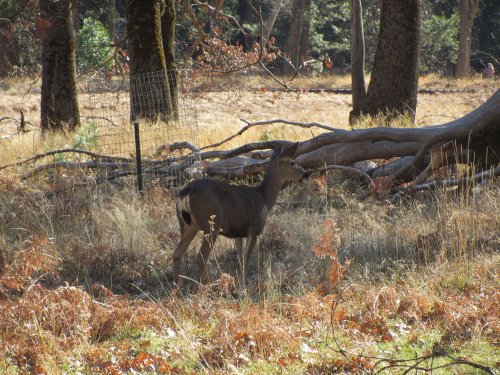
<point x="187" y="235"/>
<point x="238" y="244"/>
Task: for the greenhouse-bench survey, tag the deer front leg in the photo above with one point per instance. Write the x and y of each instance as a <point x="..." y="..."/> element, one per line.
<point x="206" y="248"/>
<point x="250" y="244"/>
<point x="238" y="244"/>
<point x="187" y="236"/>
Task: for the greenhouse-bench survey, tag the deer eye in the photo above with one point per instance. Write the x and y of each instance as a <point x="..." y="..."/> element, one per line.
<point x="291" y="163"/>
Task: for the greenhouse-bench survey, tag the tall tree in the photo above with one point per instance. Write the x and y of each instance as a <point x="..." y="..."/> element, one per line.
<point x="15" y="16"/>
<point x="487" y="24"/>
<point x="297" y="41"/>
<point x="467" y="10"/>
<point x="357" y="56"/>
<point x="150" y="94"/>
<point x="268" y="24"/>
<point x="168" y="39"/>
<point x="394" y="82"/>
<point x="59" y="102"/>
<point x="8" y="49"/>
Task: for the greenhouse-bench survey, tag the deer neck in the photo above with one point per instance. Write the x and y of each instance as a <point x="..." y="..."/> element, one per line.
<point x="270" y="187"/>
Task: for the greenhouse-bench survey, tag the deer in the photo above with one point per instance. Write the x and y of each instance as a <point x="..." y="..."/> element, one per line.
<point x="234" y="211"/>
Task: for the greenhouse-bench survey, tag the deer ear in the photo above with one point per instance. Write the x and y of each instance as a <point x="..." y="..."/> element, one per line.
<point x="289" y="150"/>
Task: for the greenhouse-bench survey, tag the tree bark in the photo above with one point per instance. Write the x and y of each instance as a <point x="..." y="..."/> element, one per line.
<point x="149" y="89"/>
<point x="297" y="42"/>
<point x="8" y="48"/>
<point x="59" y="103"/>
<point x="168" y="39"/>
<point x="467" y="10"/>
<point x="394" y="83"/>
<point x="357" y="57"/>
<point x="269" y="22"/>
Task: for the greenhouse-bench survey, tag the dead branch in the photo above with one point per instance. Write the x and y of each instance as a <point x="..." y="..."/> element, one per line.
<point x="74" y="165"/>
<point x="342" y="168"/>
<point x="63" y="151"/>
<point x="481" y="176"/>
<point x="408" y="365"/>
<point x="485" y="116"/>
<point x="176" y="146"/>
<point x="350" y="153"/>
<point x="98" y="118"/>
<point x="268" y="122"/>
<point x="11" y="119"/>
<point x="242" y="168"/>
<point x="420" y="151"/>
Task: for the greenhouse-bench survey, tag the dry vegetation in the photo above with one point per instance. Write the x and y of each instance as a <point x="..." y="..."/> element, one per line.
<point x="339" y="285"/>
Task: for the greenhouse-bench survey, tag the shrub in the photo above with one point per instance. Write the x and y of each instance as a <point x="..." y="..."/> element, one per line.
<point x="439" y="43"/>
<point x="93" y="46"/>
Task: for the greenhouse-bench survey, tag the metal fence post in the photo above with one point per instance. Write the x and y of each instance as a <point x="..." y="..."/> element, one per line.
<point x="138" y="158"/>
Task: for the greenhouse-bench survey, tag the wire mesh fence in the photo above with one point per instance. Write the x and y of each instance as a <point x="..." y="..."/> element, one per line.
<point x="164" y="108"/>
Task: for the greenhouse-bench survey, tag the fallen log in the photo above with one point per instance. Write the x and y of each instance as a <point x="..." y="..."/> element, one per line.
<point x="472" y="139"/>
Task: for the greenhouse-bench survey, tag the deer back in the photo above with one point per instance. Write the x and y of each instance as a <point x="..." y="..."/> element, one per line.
<point x="236" y="210"/>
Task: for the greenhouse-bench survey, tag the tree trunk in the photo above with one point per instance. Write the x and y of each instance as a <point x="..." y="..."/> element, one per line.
<point x="168" y="38"/>
<point x="297" y="42"/>
<point x="357" y="57"/>
<point x="149" y="90"/>
<point x="110" y="19"/>
<point x="394" y="83"/>
<point x="305" y="32"/>
<point x="467" y="10"/>
<point x="269" y="22"/>
<point x="7" y="42"/>
<point x="75" y="17"/>
<point x="59" y="103"/>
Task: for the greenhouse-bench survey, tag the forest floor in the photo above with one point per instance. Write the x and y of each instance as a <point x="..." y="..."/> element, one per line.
<point x="338" y="285"/>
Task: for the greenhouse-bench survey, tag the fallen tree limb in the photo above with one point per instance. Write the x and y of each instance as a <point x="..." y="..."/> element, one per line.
<point x="64" y="151"/>
<point x="484" y="176"/>
<point x="74" y="165"/>
<point x="342" y="168"/>
<point x="350" y="153"/>
<point x="473" y="139"/>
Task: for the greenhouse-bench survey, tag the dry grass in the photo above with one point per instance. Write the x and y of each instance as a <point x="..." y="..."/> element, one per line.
<point x="84" y="275"/>
<point x="219" y="113"/>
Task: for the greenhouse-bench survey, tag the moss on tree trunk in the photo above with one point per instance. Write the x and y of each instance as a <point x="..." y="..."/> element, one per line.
<point x="59" y="103"/>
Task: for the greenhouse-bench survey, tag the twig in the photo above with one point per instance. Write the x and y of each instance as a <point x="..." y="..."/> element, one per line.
<point x="408" y="364"/>
<point x="294" y="123"/>
<point x="270" y="122"/>
<point x="420" y="153"/>
<point x="10" y="118"/>
<point x="99" y="118"/>
<point x="460" y="361"/>
<point x="271" y="74"/>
